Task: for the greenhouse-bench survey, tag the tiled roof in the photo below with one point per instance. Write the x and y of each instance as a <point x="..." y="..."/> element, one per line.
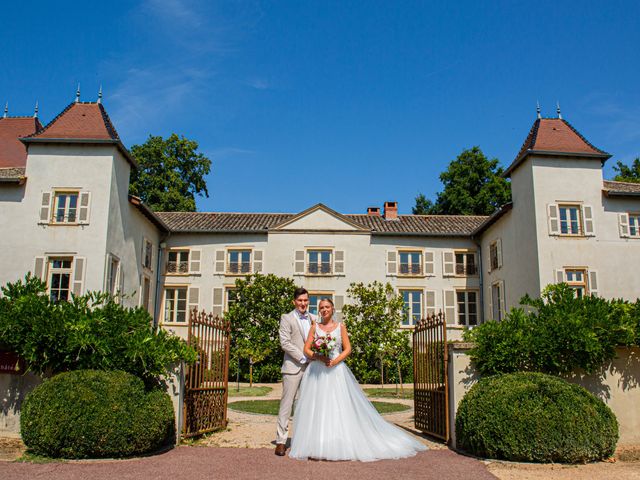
<point x="621" y="188"/>
<point x="555" y="136"/>
<point x="422" y="224"/>
<point x="12" y="174"/>
<point x="452" y="225"/>
<point x="12" y="152"/>
<point x="82" y="120"/>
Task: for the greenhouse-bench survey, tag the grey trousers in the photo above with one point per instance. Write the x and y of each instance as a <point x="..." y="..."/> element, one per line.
<point x="290" y="384"/>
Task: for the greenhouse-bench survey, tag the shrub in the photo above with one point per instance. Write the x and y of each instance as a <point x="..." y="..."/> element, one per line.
<point x="88" y="332"/>
<point x="535" y="417"/>
<point x="558" y="334"/>
<point x="372" y="319"/>
<point x="96" y="414"/>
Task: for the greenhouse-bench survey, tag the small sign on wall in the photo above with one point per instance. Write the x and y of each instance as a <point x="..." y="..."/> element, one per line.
<point x="11" y="363"/>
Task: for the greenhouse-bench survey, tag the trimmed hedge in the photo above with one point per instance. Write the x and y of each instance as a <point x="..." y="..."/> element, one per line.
<point x="534" y="417"/>
<point x="96" y="414"/>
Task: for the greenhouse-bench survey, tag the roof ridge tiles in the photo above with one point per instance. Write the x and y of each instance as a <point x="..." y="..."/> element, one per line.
<point x="619" y="181"/>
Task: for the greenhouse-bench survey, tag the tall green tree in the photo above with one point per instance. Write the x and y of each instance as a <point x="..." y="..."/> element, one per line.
<point x="259" y="301"/>
<point x="626" y="173"/>
<point x="473" y="185"/>
<point x="373" y="318"/>
<point x="171" y="172"/>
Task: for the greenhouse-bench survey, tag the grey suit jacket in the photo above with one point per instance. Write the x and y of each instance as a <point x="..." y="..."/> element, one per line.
<point x="292" y="342"/>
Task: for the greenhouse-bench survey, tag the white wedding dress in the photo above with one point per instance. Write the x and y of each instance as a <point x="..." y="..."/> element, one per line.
<point x="334" y="420"/>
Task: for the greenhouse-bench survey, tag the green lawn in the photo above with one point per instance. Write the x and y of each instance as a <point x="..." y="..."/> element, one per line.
<point x="248" y="391"/>
<point x="270" y="407"/>
<point x="389" y="392"/>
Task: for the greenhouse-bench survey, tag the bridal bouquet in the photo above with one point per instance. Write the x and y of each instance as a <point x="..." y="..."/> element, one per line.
<point x="323" y="345"/>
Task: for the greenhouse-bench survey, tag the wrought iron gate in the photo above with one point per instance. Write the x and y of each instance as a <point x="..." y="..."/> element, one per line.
<point x="207" y="380"/>
<point x="431" y="394"/>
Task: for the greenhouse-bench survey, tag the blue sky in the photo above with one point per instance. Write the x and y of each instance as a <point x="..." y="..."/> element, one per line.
<point x="346" y="103"/>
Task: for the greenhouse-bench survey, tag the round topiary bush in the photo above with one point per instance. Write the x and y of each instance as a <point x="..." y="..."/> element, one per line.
<point x="96" y="414"/>
<point x="534" y="417"/>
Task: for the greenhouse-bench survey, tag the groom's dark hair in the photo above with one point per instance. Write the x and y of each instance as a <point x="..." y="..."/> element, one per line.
<point x="299" y="291"/>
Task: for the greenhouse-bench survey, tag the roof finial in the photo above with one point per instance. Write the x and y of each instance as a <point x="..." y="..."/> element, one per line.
<point x="558" y="110"/>
<point x="100" y="95"/>
<point x="6" y="110"/>
<point x="538" y="109"/>
<point x="35" y="111"/>
<point x="78" y="94"/>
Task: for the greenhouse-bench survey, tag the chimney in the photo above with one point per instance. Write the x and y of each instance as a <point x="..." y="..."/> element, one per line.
<point x="390" y="210"/>
<point x="374" y="211"/>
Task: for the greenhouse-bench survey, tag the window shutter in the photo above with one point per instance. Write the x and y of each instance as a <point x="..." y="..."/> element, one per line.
<point x="587" y="214"/>
<point x="257" y="261"/>
<point x="558" y="275"/>
<point x="593" y="282"/>
<point x="450" y="306"/>
<point x="298" y="264"/>
<point x="218" y="301"/>
<point x="338" y="262"/>
<point x="120" y="281"/>
<point x="45" y="207"/>
<point x="85" y="202"/>
<point x="499" y="252"/>
<point x="107" y="274"/>
<point x="392" y="262"/>
<point x="429" y="262"/>
<point x="219" y="263"/>
<point x="448" y="263"/>
<point x="623" y="224"/>
<point x="79" y="265"/>
<point x="554" y="221"/>
<point x="491" y="315"/>
<point x="503" y="307"/>
<point x="338" y="301"/>
<point x="193" y="298"/>
<point x="430" y="300"/>
<point x="194" y="261"/>
<point x="40" y="268"/>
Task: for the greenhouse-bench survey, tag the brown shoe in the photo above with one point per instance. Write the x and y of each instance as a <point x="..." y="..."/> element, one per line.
<point x="281" y="449"/>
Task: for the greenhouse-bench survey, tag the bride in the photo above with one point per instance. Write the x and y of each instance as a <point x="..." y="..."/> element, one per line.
<point x="333" y="418"/>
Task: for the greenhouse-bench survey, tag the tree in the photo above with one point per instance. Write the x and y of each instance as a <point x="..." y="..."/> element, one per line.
<point x="473" y="185"/>
<point x="373" y="319"/>
<point x="628" y="174"/>
<point x="259" y="301"/>
<point x="423" y="205"/>
<point x="170" y="173"/>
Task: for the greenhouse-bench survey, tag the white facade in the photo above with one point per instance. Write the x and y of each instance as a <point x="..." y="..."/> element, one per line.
<point x="471" y="268"/>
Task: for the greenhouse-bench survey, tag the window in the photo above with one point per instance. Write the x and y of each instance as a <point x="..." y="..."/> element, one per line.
<point x="495" y="255"/>
<point x="59" y="279"/>
<point x="314" y="301"/>
<point x="577" y="280"/>
<point x="496" y="301"/>
<point x="147" y="254"/>
<point x="178" y="261"/>
<point x="65" y="207"/>
<point x="239" y="261"/>
<point x="634" y="225"/>
<point x="467" y="307"/>
<point x="319" y="262"/>
<point x="410" y="263"/>
<point x="413" y="306"/>
<point x="231" y="297"/>
<point x="570" y="220"/>
<point x="466" y="263"/>
<point x="146" y="293"/>
<point x="175" y="305"/>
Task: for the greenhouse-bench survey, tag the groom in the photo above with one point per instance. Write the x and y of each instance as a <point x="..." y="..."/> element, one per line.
<point x="294" y="328"/>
